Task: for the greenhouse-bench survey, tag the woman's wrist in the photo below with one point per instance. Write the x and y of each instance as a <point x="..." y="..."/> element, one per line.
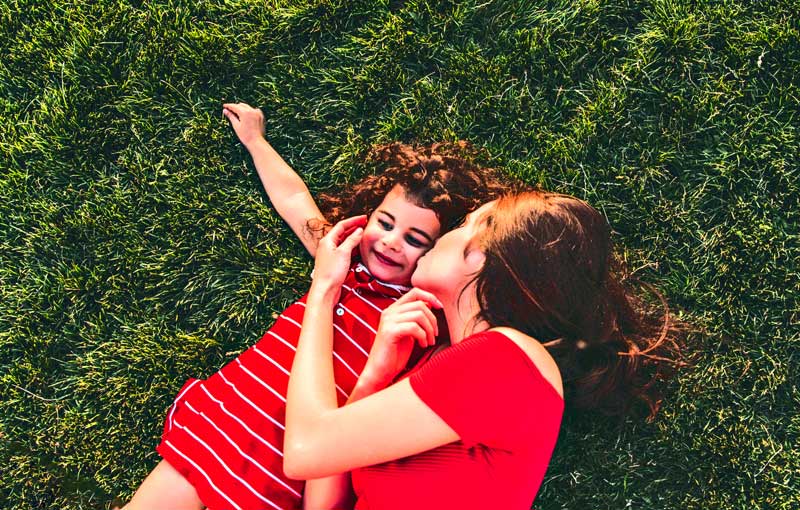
<point x="367" y="384"/>
<point x="375" y="379"/>
<point x="324" y="291"/>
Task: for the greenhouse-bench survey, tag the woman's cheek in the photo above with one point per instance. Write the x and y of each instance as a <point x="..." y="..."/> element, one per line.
<point x="418" y="255"/>
<point x="425" y="275"/>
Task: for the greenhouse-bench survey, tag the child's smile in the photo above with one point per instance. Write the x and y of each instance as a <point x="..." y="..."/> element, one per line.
<point x="397" y="235"/>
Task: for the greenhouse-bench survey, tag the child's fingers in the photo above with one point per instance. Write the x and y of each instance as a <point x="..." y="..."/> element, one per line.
<point x="230" y="115"/>
<point x="237" y="108"/>
<point x="231" y="109"/>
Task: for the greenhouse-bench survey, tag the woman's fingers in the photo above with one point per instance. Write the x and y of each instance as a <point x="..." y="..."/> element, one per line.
<point x="417" y="312"/>
<point x="345" y="227"/>
<point x="413" y="330"/>
<point x="332" y="260"/>
<point x="422" y="306"/>
<point x="352" y="240"/>
<point x="421" y="319"/>
<point x="417" y="307"/>
<point x="416" y="294"/>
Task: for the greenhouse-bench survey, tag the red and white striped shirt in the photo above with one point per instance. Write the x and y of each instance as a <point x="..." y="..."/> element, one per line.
<point x="225" y="434"/>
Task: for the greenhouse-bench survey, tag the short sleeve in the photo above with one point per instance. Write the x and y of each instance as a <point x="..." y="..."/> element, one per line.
<point x="489" y="391"/>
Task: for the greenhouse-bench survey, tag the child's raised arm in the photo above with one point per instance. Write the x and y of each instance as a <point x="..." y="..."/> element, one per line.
<point x="287" y="191"/>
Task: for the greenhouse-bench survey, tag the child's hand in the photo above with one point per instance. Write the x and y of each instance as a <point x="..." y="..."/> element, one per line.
<point x="247" y="122"/>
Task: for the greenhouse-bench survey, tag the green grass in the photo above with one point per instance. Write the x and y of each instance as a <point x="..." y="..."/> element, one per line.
<point x="137" y="248"/>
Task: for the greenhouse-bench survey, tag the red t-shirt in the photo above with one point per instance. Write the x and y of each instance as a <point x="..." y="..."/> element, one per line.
<point x="507" y="415"/>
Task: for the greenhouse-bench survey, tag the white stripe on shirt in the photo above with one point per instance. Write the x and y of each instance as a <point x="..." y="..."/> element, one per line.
<point x="229" y="470"/>
<point x="362" y="321"/>
<point x="240" y="422"/>
<point x="241" y="395"/>
<point x="198" y="468"/>
<point x="251" y="459"/>
<point x="292" y="347"/>
<point x="343" y="362"/>
<point x="262" y="383"/>
<point x="362" y="298"/>
<point x="175" y="404"/>
<point x="340" y="330"/>
<point x="264" y="355"/>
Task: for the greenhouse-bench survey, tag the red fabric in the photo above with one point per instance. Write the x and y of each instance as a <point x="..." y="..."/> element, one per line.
<point x="489" y="391"/>
<point x="225" y="433"/>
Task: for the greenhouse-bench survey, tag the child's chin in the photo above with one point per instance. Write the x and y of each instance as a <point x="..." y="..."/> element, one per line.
<point x="388" y="276"/>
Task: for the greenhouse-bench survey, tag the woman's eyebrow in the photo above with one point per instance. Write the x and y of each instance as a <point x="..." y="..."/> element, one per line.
<point x="485" y="217"/>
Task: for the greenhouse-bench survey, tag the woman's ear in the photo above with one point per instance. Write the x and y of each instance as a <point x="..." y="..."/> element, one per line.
<point x="475" y="257"/>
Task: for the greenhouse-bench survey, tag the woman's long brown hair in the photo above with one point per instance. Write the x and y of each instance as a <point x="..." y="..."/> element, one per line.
<point x="551" y="273"/>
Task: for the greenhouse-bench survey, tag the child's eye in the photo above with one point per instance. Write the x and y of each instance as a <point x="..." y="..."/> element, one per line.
<point x="385" y="225"/>
<point x="413" y="241"/>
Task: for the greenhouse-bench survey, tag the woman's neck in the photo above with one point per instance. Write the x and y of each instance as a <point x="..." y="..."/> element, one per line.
<point x="460" y="312"/>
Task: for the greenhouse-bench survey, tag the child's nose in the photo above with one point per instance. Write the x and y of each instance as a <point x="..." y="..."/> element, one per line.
<point x="392" y="240"/>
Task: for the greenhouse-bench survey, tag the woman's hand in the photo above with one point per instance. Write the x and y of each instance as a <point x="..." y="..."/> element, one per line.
<point x="406" y="321"/>
<point x="333" y="256"/>
<point x="247" y="122"/>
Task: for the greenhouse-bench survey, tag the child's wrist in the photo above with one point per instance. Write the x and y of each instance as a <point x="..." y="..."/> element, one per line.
<point x="256" y="143"/>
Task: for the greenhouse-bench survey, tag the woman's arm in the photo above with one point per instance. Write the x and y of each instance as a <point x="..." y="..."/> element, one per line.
<point x="286" y="190"/>
<point x="392" y="422"/>
<point x="336" y="491"/>
<point x="329" y="493"/>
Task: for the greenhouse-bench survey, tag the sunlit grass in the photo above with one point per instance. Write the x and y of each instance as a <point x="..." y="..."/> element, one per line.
<point x="137" y="248"/>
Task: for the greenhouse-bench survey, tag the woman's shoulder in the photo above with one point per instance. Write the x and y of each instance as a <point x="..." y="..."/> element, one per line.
<point x="538" y="355"/>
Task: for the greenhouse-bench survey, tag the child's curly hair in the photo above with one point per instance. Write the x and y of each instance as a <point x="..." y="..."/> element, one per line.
<point x="442" y="177"/>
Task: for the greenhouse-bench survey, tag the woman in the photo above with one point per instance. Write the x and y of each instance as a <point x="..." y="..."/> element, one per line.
<point x="532" y="304"/>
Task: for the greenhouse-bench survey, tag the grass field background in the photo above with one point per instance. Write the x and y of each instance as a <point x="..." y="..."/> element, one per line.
<point x="137" y="247"/>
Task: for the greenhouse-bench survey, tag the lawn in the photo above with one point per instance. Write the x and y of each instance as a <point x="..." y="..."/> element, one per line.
<point x="138" y="249"/>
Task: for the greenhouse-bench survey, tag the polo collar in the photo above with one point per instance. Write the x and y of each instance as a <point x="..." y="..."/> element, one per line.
<point x="365" y="279"/>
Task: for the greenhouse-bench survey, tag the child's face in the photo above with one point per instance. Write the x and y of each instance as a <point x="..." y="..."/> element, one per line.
<point x="397" y="235"/>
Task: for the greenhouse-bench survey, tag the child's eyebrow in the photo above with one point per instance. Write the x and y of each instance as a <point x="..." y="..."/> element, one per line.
<point x="423" y="234"/>
<point x="387" y="214"/>
<point x="415" y="229"/>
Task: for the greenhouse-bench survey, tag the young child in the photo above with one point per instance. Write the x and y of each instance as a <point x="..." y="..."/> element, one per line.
<point x="223" y="436"/>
